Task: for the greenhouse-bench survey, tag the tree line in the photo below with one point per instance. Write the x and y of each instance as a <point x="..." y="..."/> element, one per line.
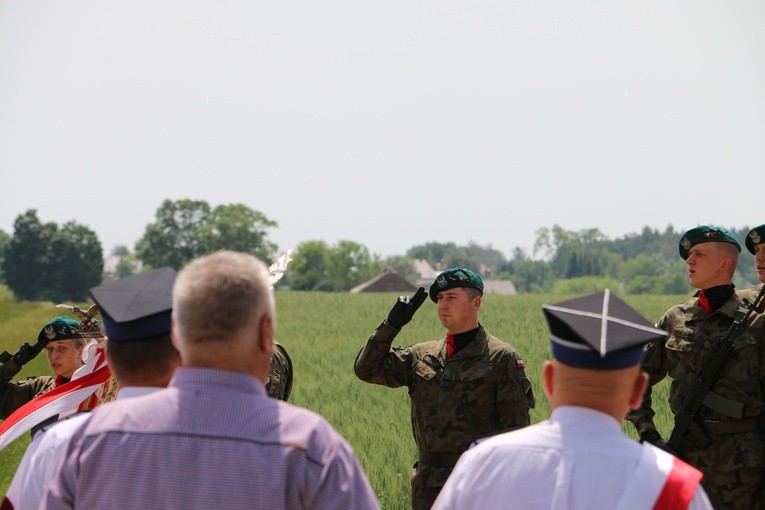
<point x="46" y="261"/>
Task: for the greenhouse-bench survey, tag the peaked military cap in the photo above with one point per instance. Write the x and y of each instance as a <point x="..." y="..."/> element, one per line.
<point x="598" y="332"/>
<point x="705" y="234"/>
<point x="455" y="277"/>
<point x="138" y="306"/>
<point x="60" y="328"/>
<point x="755" y="237"/>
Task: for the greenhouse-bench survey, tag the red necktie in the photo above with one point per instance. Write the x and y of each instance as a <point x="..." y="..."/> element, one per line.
<point x="704" y="302"/>
<point x="449" y="345"/>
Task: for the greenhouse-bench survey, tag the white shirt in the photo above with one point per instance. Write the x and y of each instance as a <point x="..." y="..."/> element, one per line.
<point x="36" y="466"/>
<point x="579" y="459"/>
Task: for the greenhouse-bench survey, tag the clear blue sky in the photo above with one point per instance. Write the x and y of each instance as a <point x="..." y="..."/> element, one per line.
<point x="388" y="123"/>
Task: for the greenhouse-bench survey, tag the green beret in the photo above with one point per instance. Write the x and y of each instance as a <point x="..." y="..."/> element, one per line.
<point x="705" y="234"/>
<point x="754" y="237"/>
<point x="60" y="328"/>
<point x="456" y="277"/>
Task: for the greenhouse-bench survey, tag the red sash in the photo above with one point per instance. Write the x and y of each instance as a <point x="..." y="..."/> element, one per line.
<point x="679" y="487"/>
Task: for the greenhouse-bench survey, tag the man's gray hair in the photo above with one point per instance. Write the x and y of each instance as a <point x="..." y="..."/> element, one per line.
<point x="220" y="294"/>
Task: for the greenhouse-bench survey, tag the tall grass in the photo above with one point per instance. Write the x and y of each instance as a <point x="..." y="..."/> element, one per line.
<point x="323" y="333"/>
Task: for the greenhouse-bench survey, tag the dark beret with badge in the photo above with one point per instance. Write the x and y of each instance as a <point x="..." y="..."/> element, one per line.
<point x="705" y="234"/>
<point x="138" y="306"/>
<point x="60" y="328"/>
<point x="598" y="332"/>
<point x="455" y="277"/>
<point x="755" y="237"/>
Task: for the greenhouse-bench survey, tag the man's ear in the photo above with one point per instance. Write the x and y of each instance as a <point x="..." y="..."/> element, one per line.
<point x="173" y="337"/>
<point x="638" y="389"/>
<point x="548" y="374"/>
<point x="266" y="336"/>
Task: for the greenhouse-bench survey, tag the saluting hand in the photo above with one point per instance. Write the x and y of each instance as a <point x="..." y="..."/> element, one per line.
<point x="404" y="308"/>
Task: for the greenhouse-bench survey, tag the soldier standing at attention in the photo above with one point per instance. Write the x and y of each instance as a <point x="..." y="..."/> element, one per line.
<point x="725" y="439"/>
<point x="467" y="385"/>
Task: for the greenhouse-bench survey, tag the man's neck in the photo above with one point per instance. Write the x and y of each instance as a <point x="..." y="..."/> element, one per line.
<point x="464" y="329"/>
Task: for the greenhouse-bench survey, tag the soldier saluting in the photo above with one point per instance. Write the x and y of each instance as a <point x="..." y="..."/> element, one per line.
<point x="63" y="339"/>
<point x="464" y="386"/>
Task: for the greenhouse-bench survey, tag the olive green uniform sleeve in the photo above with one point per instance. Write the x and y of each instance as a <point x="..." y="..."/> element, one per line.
<point x="14" y="394"/>
<point x="654" y="364"/>
<point x="378" y="363"/>
<point x="515" y="396"/>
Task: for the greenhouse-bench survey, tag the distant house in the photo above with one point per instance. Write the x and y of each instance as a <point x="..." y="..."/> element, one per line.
<point x="391" y="282"/>
<point x="110" y="264"/>
<point x="505" y="287"/>
<point x="485" y="270"/>
<point x="384" y="282"/>
<point x="426" y="275"/>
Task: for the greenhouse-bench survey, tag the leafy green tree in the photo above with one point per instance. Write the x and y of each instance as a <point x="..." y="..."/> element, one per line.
<point x="29" y="256"/>
<point x="674" y="283"/>
<point x="318" y="266"/>
<point x="239" y="228"/>
<point x="402" y="266"/>
<point x="127" y="263"/>
<point x="174" y="238"/>
<point x="307" y="269"/>
<point x="433" y="252"/>
<point x="648" y="241"/>
<point x="44" y="262"/>
<point x="127" y="266"/>
<point x="5" y="242"/>
<point x="575" y="254"/>
<point x="486" y="255"/>
<point x="586" y="285"/>
<point x="527" y="275"/>
<point x="642" y="265"/>
<point x="79" y="262"/>
<point x="349" y="264"/>
<point x="443" y="255"/>
<point x="460" y="256"/>
<point x="186" y="229"/>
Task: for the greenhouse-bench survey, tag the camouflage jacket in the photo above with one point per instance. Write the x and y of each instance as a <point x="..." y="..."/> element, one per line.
<point x="480" y="391"/>
<point x="680" y="356"/>
<point x="279" y="382"/>
<point x="14" y="394"/>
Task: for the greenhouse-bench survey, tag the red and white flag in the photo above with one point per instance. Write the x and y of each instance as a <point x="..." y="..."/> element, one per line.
<point x="63" y="400"/>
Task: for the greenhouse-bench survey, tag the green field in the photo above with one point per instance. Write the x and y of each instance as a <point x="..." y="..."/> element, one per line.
<point x="323" y="332"/>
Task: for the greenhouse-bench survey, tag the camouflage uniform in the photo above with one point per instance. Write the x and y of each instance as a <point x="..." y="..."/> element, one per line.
<point x="279" y="382"/>
<point x="733" y="460"/>
<point x="480" y="391"/>
<point x="14" y="394"/>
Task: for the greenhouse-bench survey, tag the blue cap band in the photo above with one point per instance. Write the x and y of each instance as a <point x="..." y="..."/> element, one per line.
<point x="154" y="325"/>
<point x="589" y="359"/>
